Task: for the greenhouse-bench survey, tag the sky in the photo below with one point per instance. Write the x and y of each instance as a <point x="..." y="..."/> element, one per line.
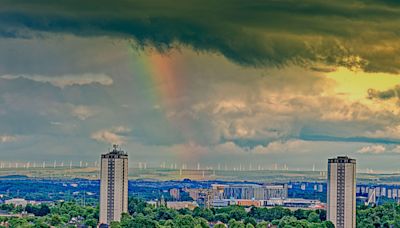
<point x="211" y="82"/>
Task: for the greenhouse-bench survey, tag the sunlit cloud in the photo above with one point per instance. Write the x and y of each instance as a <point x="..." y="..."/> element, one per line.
<point x="386" y="132"/>
<point x="114" y="135"/>
<point x="8" y="138"/>
<point x="379" y="149"/>
<point x="83" y="112"/>
<point x="373" y="149"/>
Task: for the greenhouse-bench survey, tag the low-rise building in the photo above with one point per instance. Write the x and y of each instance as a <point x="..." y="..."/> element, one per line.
<point x="182" y="204"/>
<point x="17" y="202"/>
<point x="175" y="193"/>
<point x="255" y="191"/>
<point x="302" y="203"/>
<point x="250" y="203"/>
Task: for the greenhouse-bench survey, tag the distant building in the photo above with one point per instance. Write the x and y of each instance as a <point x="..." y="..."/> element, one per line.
<point x="193" y="192"/>
<point x="218" y="190"/>
<point x="201" y="195"/>
<point x="255" y="192"/>
<point x="175" y="193"/>
<point x="113" y="186"/>
<point x="371" y="196"/>
<point x="161" y="202"/>
<point x="341" y="208"/>
<point x="383" y="191"/>
<point x="303" y="203"/>
<point x="288" y="203"/>
<point x="182" y="204"/>
<point x="221" y="195"/>
<point x="17" y="202"/>
<point x="320" y="188"/>
<point x="218" y="203"/>
<point x="394" y="193"/>
<point x="249" y="203"/>
<point x="303" y="187"/>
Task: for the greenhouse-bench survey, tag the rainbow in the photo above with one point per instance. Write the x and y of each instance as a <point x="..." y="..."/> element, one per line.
<point x="159" y="74"/>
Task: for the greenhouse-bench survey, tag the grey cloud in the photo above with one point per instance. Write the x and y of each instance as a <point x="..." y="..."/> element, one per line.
<point x="386" y="94"/>
<point x="61" y="55"/>
<point x="65" y="80"/>
<point x="328" y="138"/>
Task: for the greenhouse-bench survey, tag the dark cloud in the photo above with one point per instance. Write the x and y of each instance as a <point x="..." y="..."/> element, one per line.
<point x="327" y="138"/>
<point x="386" y="94"/>
<point x="359" y="34"/>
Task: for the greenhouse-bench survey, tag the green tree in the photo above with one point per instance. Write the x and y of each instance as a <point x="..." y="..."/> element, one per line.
<point x="40" y="223"/>
<point x="235" y="224"/>
<point x="185" y="211"/>
<point x="115" y="224"/>
<point x="126" y="220"/>
<point x="328" y="224"/>
<point x="184" y="221"/>
<point x="313" y="217"/>
<point x="163" y="213"/>
<point x="220" y="225"/>
<point x="237" y="213"/>
<point x="136" y="205"/>
<point x="204" y="213"/>
<point x="201" y="223"/>
<point x="231" y="222"/>
<point x="278" y="213"/>
<point x="301" y="214"/>
<point x="43" y="210"/>
<point x="222" y="217"/>
<point x="262" y="225"/>
<point x="55" y="220"/>
<point x="322" y="214"/>
<point x="91" y="222"/>
<point x="250" y="220"/>
<point x="143" y="222"/>
<point x="18" y="222"/>
<point x="169" y="223"/>
<point x="289" y="221"/>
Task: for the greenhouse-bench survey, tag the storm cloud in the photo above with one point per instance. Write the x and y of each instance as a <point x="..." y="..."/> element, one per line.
<point x="315" y="34"/>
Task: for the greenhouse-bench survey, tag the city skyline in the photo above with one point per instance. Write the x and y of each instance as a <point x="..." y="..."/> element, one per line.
<point x="261" y="83"/>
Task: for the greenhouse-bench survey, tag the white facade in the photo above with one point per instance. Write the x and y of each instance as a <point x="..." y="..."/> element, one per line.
<point x="341" y="209"/>
<point x="113" y="186"/>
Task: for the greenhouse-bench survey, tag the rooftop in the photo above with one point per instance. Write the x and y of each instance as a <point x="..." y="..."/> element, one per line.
<point x="115" y="151"/>
<point x="342" y="159"/>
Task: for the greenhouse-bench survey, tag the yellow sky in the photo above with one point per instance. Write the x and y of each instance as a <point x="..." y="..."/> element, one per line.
<point x="356" y="84"/>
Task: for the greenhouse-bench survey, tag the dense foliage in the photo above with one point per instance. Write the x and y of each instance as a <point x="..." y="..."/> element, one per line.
<point x="141" y="214"/>
<point x="61" y="214"/>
